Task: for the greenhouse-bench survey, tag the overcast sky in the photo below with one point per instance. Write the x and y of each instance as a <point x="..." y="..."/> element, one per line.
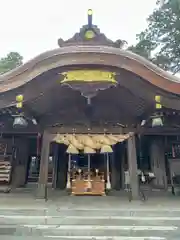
<point x="31" y="27"/>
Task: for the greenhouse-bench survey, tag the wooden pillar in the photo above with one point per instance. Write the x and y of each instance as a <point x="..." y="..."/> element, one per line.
<point x="132" y="164"/>
<point x="122" y="168"/>
<point x="62" y="167"/>
<point x="157" y="158"/>
<point x="20" y="165"/>
<point x="113" y="171"/>
<point x="116" y="168"/>
<point x="55" y="164"/>
<point x="44" y="162"/>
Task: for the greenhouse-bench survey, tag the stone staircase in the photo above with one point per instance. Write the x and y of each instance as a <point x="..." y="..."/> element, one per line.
<point x="81" y="221"/>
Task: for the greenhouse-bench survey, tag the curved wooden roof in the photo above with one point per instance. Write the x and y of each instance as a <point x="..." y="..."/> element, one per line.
<point x="97" y="54"/>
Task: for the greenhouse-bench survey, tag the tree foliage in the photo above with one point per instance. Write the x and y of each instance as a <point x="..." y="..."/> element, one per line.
<point x="11" y="61"/>
<point x="160" y="42"/>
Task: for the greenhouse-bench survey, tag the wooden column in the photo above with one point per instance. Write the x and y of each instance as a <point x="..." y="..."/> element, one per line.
<point x="113" y="171"/>
<point x="132" y="164"/>
<point x="43" y="174"/>
<point x="122" y="168"/>
<point x="116" y="168"/>
<point x="157" y="158"/>
<point x="55" y="164"/>
<point x="20" y="165"/>
<point x="62" y="167"/>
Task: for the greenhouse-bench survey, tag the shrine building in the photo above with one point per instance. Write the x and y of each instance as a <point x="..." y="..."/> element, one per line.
<point x="79" y="116"/>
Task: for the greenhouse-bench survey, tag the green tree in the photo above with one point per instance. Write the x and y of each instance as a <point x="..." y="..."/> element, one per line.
<point x="160" y="42"/>
<point x="11" y="61"/>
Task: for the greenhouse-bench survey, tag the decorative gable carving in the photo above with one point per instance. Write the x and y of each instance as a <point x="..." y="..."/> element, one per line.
<point x="91" y="35"/>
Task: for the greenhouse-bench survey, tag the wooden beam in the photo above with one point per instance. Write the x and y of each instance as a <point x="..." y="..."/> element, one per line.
<point x="85" y="130"/>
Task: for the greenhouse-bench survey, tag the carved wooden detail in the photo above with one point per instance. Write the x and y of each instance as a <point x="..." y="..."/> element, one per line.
<point x="88" y="81"/>
<point x="97" y="38"/>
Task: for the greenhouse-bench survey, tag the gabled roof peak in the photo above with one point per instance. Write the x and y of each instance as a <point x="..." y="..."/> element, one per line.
<point x="90" y="34"/>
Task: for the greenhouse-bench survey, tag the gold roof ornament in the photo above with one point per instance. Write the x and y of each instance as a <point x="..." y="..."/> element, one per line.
<point x="19" y="101"/>
<point x="72" y="149"/>
<point x="90" y="12"/>
<point x="106" y="149"/>
<point x="89" y="150"/>
<point x="89" y="34"/>
<point x="19" y="98"/>
<point x="89" y="76"/>
<point x="157" y="98"/>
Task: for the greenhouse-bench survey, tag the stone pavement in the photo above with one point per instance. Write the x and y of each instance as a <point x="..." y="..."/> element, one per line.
<point x="84" y="218"/>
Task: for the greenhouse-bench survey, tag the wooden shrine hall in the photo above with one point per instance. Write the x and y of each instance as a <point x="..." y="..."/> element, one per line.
<point x="79" y="116"/>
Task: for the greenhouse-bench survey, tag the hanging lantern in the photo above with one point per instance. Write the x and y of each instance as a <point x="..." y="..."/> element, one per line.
<point x="157" y="121"/>
<point x="158" y="98"/>
<point x="158" y="104"/>
<point x="157" y="118"/>
<point x="19" y="105"/>
<point x="20" y="122"/>
<point x="19" y="101"/>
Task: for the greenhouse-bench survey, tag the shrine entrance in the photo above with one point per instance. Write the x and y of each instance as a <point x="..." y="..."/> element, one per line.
<point x="85" y="164"/>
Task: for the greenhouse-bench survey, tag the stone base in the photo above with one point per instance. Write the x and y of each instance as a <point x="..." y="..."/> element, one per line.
<point x="19" y="176"/>
<point x="41" y="191"/>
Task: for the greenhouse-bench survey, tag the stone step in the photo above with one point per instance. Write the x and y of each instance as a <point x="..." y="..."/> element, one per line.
<point x="93" y="213"/>
<point x="139" y="223"/>
<point x="5" y="237"/>
<point x="117" y="213"/>
<point x="104" y="238"/>
<point x="89" y="232"/>
<point x="97" y="231"/>
<point x="91" y="221"/>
